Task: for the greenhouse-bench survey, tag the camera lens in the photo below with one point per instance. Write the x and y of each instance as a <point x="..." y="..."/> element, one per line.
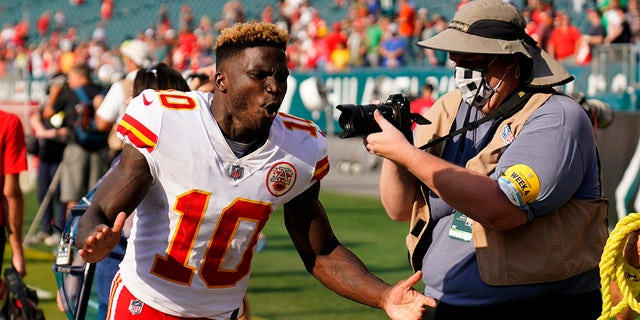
<point x="358" y="119"/>
<point x="600" y="112"/>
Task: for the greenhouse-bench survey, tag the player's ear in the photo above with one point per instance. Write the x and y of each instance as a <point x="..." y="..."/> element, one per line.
<point x="220" y="82"/>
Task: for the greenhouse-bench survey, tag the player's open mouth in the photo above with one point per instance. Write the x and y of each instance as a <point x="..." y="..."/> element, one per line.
<point x="272" y="108"/>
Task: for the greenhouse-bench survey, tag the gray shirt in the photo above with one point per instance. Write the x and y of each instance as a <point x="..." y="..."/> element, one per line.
<point x="558" y="143"/>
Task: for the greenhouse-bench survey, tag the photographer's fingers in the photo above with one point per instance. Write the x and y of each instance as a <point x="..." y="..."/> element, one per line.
<point x="391" y="131"/>
<point x="382" y="122"/>
<point x="386" y="142"/>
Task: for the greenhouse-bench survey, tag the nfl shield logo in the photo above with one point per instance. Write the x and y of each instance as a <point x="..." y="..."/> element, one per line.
<point x="135" y="307"/>
<point x="236" y="172"/>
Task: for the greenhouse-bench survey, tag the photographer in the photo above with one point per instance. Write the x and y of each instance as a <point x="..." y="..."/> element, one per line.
<point x="508" y="218"/>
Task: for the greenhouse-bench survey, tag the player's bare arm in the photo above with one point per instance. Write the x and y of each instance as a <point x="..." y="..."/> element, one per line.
<point x="121" y="191"/>
<point x="339" y="269"/>
<point x="14" y="214"/>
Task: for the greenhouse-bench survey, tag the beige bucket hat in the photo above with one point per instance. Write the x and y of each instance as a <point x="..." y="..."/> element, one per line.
<point x="497" y="27"/>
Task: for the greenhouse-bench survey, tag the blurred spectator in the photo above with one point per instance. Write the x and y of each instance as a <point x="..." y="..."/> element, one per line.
<point x="423" y="102"/>
<point x="392" y="48"/>
<point x="203" y="54"/>
<point x="72" y="35"/>
<point x="356" y="43"/>
<point x="435" y="57"/>
<point x="618" y="27"/>
<point x="267" y="14"/>
<point x="180" y="58"/>
<point x="374" y="7"/>
<point x="185" y="20"/>
<point x="337" y="37"/>
<point x="232" y="12"/>
<point x="594" y="36"/>
<point x="37" y="62"/>
<point x="21" y="35"/>
<point x="85" y="157"/>
<point x="106" y="10"/>
<point x="596" y="33"/>
<point x="168" y="41"/>
<point x="67" y="57"/>
<point x="542" y="6"/>
<point x="634" y="19"/>
<point x="564" y="39"/>
<point x="51" y="144"/>
<point x="360" y="8"/>
<point x="8" y="33"/>
<point x="607" y="8"/>
<point x="421" y="24"/>
<point x="136" y="55"/>
<point x="59" y="20"/>
<point x="544" y="27"/>
<point x="374" y="34"/>
<point x="318" y="53"/>
<point x="338" y="59"/>
<point x="164" y="22"/>
<point x="100" y="33"/>
<point x="542" y="15"/>
<point x="97" y="51"/>
<point x="406" y="21"/>
<point x="43" y="23"/>
<point x="295" y="53"/>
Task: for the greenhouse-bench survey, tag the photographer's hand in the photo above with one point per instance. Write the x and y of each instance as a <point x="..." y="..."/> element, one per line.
<point x="399" y="188"/>
<point x="390" y="143"/>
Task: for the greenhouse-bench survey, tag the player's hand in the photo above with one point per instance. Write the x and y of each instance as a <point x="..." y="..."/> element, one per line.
<point x="102" y="240"/>
<point x="402" y="302"/>
<point x="390" y="143"/>
<point x="18" y="262"/>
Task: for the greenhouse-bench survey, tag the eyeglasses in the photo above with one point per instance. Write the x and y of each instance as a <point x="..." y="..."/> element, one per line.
<point x="153" y="69"/>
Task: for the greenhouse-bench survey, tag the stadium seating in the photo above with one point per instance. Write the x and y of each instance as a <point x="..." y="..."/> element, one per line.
<point x="132" y="17"/>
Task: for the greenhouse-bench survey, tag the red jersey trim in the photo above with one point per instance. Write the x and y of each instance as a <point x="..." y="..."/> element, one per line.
<point x="322" y="168"/>
<point x="137" y="133"/>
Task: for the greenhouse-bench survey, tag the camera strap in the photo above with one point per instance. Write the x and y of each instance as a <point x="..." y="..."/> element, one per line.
<point x="513" y="104"/>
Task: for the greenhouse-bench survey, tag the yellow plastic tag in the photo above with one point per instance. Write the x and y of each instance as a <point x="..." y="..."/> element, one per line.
<point x="520" y="184"/>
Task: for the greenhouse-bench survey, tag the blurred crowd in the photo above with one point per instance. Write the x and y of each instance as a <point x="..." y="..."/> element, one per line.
<point x="370" y="35"/>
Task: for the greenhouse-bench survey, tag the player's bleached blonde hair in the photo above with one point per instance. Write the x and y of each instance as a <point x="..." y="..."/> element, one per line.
<point x="249" y="34"/>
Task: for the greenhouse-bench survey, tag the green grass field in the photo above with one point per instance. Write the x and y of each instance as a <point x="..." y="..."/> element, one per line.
<point x="280" y="287"/>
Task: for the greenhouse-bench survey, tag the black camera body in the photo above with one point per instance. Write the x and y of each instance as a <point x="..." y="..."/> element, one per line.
<point x="358" y="120"/>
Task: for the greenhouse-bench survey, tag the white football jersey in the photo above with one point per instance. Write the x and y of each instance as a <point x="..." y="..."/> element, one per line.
<point x="194" y="233"/>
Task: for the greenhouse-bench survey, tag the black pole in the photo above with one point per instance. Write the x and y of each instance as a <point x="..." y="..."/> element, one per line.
<point x="85" y="291"/>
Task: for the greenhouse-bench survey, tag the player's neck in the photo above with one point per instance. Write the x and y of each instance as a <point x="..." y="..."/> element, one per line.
<point x="243" y="147"/>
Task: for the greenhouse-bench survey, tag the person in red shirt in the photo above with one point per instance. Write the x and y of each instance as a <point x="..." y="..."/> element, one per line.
<point x="335" y="38"/>
<point x="43" y="23"/>
<point x="421" y="104"/>
<point x="564" y="39"/>
<point x="406" y="24"/>
<point x="13" y="160"/>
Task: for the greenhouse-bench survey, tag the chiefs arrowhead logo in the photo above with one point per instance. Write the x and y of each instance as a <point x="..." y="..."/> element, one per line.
<point x="145" y="101"/>
<point x="281" y="178"/>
